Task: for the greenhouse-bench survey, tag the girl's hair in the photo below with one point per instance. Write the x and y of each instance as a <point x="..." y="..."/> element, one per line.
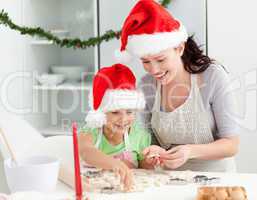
<point x="193" y="58"/>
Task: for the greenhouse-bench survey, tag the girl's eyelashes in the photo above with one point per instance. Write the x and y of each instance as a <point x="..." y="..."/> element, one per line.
<point x="114" y="112"/>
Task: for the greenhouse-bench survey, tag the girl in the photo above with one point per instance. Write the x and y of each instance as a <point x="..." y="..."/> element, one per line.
<point x="112" y="140"/>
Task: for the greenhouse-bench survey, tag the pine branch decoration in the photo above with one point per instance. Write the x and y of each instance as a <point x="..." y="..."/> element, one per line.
<point x="68" y="43"/>
<point x="165" y="3"/>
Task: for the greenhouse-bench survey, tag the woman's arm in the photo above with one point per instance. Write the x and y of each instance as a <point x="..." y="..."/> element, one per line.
<point x="221" y="148"/>
<point x="223" y="102"/>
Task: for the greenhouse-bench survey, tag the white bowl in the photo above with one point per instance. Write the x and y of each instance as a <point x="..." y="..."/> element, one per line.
<point x="50" y="79"/>
<point x="72" y="73"/>
<point x="37" y="173"/>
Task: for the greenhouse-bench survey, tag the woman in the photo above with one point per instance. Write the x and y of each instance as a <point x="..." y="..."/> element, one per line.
<point x="189" y="104"/>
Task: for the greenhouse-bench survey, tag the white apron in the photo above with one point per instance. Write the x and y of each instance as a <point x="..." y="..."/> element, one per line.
<point x="187" y="124"/>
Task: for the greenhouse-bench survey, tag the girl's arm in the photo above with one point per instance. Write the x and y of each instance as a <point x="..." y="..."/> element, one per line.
<point x="150" y="161"/>
<point x="146" y="164"/>
<point x="92" y="155"/>
<point x="95" y="157"/>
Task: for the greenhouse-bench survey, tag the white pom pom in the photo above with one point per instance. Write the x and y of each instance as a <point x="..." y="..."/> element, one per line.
<point x="122" y="57"/>
<point x="95" y="119"/>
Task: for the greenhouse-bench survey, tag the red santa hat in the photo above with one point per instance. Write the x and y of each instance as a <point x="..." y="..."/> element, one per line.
<point x="148" y="29"/>
<point x="114" y="88"/>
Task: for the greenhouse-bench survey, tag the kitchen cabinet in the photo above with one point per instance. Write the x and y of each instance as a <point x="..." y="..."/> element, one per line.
<point x="51" y="109"/>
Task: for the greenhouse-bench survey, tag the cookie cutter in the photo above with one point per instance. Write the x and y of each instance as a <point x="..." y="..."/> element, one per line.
<point x="177" y="181"/>
<point x="92" y="174"/>
<point x="204" y="180"/>
<point x="108" y="190"/>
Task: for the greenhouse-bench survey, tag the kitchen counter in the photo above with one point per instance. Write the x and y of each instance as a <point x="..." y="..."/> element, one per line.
<point x="176" y="192"/>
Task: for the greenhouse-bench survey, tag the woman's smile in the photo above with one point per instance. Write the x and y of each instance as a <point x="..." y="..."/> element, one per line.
<point x="161" y="76"/>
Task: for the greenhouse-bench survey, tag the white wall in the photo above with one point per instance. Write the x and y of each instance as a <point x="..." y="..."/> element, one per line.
<point x="11" y="58"/>
<point x="232" y="40"/>
<point x="193" y="15"/>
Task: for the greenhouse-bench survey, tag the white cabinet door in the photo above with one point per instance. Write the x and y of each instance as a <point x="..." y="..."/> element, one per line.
<point x="112" y="14"/>
<point x="232" y="40"/>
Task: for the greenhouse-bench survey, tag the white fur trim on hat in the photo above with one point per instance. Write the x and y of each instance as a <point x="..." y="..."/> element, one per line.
<point x="95" y="119"/>
<point x="145" y="44"/>
<point x="122" y="99"/>
<point x="113" y="99"/>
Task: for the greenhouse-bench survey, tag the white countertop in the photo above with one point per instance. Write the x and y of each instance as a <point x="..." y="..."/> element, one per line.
<point x="176" y="192"/>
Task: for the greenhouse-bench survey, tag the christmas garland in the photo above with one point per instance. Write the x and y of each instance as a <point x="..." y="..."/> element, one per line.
<point x="68" y="43"/>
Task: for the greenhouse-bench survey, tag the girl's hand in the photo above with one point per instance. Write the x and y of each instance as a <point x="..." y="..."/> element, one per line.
<point x="126" y="176"/>
<point x="152" y="155"/>
<point x="176" y="156"/>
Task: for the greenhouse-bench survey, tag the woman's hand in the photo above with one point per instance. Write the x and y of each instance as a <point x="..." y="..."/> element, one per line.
<point x="152" y="155"/>
<point x="126" y="176"/>
<point x="176" y="157"/>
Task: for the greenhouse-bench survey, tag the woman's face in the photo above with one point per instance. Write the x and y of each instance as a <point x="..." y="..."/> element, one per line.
<point x="165" y="65"/>
<point x="120" y="121"/>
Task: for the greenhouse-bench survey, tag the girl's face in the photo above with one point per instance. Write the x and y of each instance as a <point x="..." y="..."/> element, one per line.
<point x="120" y="121"/>
<point x="165" y="65"/>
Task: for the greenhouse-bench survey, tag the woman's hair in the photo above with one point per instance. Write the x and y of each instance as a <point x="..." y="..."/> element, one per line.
<point x="193" y="58"/>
